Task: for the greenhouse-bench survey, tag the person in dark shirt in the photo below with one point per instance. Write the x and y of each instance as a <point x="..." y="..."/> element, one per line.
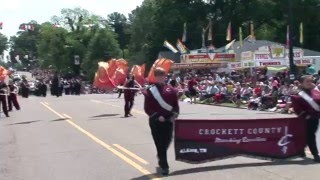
<point x="3" y="97"/>
<point x="162" y="107"/>
<point x="12" y="97"/>
<point x="129" y="95"/>
<point x="306" y="106"/>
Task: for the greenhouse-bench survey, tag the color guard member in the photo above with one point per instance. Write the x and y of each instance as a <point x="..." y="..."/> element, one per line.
<point x="3" y="98"/>
<point x="307" y="105"/>
<point x="161" y="105"/>
<point x="129" y="95"/>
<point x="12" y="97"/>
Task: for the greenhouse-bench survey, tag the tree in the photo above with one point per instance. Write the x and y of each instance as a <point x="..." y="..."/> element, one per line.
<point x="104" y="41"/>
<point x="3" y="43"/>
<point x="24" y="44"/>
<point x="120" y="26"/>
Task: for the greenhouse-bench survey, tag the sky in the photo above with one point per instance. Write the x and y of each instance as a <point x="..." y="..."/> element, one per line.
<point x="15" y="12"/>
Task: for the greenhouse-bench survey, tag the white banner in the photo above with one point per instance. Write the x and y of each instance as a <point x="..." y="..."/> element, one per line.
<point x="280" y="62"/>
<point x="235" y="65"/>
<point x="261" y="55"/>
<point x="247" y="55"/>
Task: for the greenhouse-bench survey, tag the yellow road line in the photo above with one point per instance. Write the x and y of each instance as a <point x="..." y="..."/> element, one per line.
<point x="131" y="154"/>
<point x="67" y="116"/>
<point x="133" y="110"/>
<point x="103" y="144"/>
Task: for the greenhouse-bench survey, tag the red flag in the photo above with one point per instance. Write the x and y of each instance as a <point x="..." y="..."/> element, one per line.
<point x="102" y="79"/>
<point x="164" y="63"/>
<point x="3" y="73"/>
<point x="120" y="75"/>
<point x="138" y="72"/>
<point x="112" y="67"/>
<point x="1" y="25"/>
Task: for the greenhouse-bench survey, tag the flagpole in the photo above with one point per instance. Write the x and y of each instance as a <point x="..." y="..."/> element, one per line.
<point x="292" y="65"/>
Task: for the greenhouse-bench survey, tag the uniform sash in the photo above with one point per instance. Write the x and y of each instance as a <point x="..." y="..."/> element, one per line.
<point x="309" y="100"/>
<point x="157" y="96"/>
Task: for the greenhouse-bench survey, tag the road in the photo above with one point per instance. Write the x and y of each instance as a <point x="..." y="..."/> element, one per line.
<point x="87" y="138"/>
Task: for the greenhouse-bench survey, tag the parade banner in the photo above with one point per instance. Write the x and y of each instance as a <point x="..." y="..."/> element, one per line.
<point x="199" y="141"/>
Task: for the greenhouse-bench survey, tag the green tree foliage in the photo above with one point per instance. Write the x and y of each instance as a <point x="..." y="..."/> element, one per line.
<point x="3" y="43"/>
<point x="24" y="44"/>
<point x="101" y="43"/>
<point x="120" y="26"/>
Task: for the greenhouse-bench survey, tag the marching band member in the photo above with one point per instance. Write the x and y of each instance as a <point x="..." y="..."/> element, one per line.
<point x="12" y="97"/>
<point x="307" y="105"/>
<point x="3" y="97"/>
<point x="129" y="94"/>
<point x="161" y="105"/>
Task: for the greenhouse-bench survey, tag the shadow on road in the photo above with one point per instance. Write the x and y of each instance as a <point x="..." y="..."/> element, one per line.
<point x="231" y="166"/>
<point x="23" y="123"/>
<point x="61" y="119"/>
<point x="104" y="115"/>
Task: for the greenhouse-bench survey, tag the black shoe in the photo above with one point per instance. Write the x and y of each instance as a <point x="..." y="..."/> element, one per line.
<point x="317" y="159"/>
<point x="7" y="116"/>
<point x="130" y="114"/>
<point x="163" y="171"/>
<point x="126" y="115"/>
<point x="303" y="155"/>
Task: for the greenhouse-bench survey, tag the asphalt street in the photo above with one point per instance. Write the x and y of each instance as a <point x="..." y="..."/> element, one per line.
<point x="87" y="138"/>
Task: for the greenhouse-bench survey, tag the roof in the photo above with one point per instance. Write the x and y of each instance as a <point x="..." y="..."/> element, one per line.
<point x="254" y="45"/>
<point x="169" y="55"/>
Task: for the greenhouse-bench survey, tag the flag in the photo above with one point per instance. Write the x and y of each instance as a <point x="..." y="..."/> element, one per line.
<point x="184" y="36"/>
<point x="164" y="63"/>
<point x="22" y="27"/>
<point x="240" y="37"/>
<point x="30" y="27"/>
<point x="181" y="47"/>
<point x="210" y="31"/>
<point x="1" y="25"/>
<point x="230" y="44"/>
<point x="25" y="27"/>
<point x="169" y="46"/>
<point x="102" y="79"/>
<point x="138" y="73"/>
<point x="56" y="25"/>
<point x="228" y="38"/>
<point x="301" y="33"/>
<point x="3" y="73"/>
<point x="252" y="29"/>
<point x="117" y="70"/>
<point x="288" y="36"/>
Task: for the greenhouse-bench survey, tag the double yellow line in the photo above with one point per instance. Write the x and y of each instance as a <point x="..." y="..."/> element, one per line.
<point x="106" y="146"/>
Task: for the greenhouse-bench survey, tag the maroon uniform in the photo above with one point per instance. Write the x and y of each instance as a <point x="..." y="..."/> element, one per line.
<point x="12" y="97"/>
<point x="168" y="108"/>
<point x="191" y="88"/>
<point x="129" y="97"/>
<point x="3" y="98"/>
<point x="304" y="109"/>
